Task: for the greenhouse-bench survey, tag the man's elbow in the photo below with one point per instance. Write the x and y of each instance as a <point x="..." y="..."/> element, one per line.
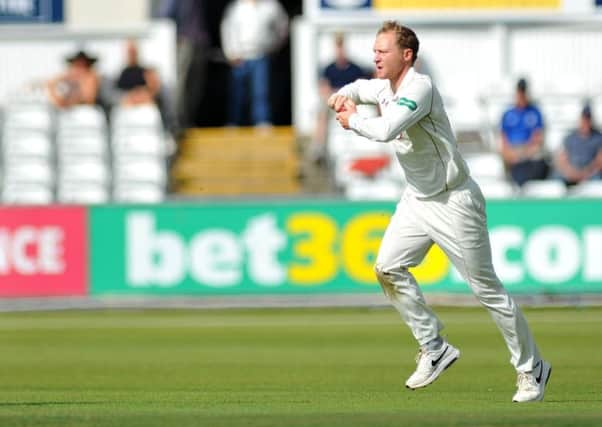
<point x="385" y="136"/>
<point x="388" y="132"/>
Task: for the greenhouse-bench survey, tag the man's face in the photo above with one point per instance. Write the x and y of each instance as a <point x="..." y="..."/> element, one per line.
<point x="522" y="100"/>
<point x="585" y="125"/>
<point x="389" y="59"/>
<point x="79" y="66"/>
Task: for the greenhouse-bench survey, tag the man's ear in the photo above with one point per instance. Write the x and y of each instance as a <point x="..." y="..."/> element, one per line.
<point x="407" y="55"/>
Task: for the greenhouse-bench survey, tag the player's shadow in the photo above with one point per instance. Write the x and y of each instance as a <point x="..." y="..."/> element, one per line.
<point x="51" y="403"/>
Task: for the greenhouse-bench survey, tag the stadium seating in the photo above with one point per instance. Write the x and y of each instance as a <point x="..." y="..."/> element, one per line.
<point x="497" y="189"/>
<point x="561" y="114"/>
<point x="493" y="104"/>
<point x="362" y="169"/>
<point x="27" y="154"/>
<point x="26" y="193"/>
<point x="82" y="160"/>
<point x="367" y="189"/>
<point x="587" y="189"/>
<point x="485" y="166"/>
<point x="76" y="156"/>
<point x="544" y="189"/>
<point x="139" y="154"/>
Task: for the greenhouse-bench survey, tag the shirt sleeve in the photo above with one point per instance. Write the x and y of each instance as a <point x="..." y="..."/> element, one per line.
<point x="363" y="91"/>
<point x="325" y="73"/>
<point x="504" y="124"/>
<point x="413" y="104"/>
<point x="228" y="36"/>
<point x="539" y="122"/>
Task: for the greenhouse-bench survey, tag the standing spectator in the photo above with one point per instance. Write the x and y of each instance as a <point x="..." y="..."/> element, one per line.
<point x="333" y="77"/>
<point x="341" y="71"/>
<point x="251" y="30"/>
<point x="522" y="139"/>
<point x="580" y="157"/>
<point x="78" y="85"/>
<point x="192" y="56"/>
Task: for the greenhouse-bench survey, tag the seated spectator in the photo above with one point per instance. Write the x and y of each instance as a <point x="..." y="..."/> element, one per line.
<point x="139" y="84"/>
<point x="77" y="85"/>
<point x="580" y="157"/>
<point x="522" y="139"/>
<point x="333" y="77"/>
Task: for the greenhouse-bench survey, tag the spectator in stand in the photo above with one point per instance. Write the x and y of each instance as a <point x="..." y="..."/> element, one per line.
<point x="522" y="139"/>
<point x="192" y="56"/>
<point x="78" y="85"/>
<point x="138" y="84"/>
<point x="251" y="30"/>
<point x="580" y="157"/>
<point x="334" y="76"/>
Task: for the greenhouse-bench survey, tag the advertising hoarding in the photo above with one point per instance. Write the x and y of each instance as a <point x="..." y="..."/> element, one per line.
<point x="540" y="246"/>
<point x="31" y="11"/>
<point x="43" y="251"/>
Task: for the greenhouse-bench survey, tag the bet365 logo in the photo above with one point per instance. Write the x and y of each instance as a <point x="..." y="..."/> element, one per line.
<point x="311" y="249"/>
<point x="314" y="248"/>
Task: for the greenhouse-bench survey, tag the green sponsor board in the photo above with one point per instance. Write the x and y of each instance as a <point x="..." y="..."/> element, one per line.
<point x="326" y="247"/>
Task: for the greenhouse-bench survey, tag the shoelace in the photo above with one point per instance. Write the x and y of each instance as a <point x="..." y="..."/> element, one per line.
<point x="419" y="355"/>
<point x="525" y="381"/>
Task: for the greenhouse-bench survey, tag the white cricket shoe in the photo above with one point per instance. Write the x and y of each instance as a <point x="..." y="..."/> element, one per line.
<point x="431" y="364"/>
<point x="532" y="385"/>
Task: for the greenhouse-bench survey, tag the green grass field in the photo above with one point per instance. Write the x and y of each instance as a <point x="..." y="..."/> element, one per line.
<point x="284" y="367"/>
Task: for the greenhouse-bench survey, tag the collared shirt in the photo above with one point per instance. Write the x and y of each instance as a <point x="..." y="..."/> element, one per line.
<point x="519" y="124"/>
<point x="414" y="121"/>
<point x="338" y="76"/>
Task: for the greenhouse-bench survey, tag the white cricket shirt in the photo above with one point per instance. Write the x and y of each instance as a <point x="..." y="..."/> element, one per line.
<point x="414" y="121"/>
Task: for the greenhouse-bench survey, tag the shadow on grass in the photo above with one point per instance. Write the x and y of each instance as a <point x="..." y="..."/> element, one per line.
<point x="52" y="403"/>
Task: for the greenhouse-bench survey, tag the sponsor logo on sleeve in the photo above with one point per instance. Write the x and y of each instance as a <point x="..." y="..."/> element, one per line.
<point x="405" y="102"/>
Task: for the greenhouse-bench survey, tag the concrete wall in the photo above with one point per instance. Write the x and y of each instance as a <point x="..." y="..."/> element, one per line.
<point x="30" y="56"/>
<point x="106" y="13"/>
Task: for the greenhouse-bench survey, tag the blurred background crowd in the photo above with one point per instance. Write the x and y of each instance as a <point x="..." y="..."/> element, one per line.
<point x="173" y="99"/>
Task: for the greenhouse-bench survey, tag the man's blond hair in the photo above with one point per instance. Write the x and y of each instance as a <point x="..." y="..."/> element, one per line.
<point x="405" y="37"/>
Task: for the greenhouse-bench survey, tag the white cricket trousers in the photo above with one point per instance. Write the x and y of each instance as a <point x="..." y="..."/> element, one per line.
<point x="457" y="222"/>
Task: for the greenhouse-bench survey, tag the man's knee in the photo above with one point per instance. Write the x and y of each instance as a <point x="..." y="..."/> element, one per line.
<point x="386" y="276"/>
<point x="380" y="271"/>
<point x="384" y="279"/>
<point x="383" y="270"/>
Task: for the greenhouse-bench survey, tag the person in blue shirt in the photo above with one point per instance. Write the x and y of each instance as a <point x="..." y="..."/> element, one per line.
<point x="342" y="70"/>
<point x="580" y="157"/>
<point x="334" y="76"/>
<point x="522" y="139"/>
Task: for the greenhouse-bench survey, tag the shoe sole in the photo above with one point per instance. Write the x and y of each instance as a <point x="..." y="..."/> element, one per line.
<point x="539" y="398"/>
<point x="445" y="363"/>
